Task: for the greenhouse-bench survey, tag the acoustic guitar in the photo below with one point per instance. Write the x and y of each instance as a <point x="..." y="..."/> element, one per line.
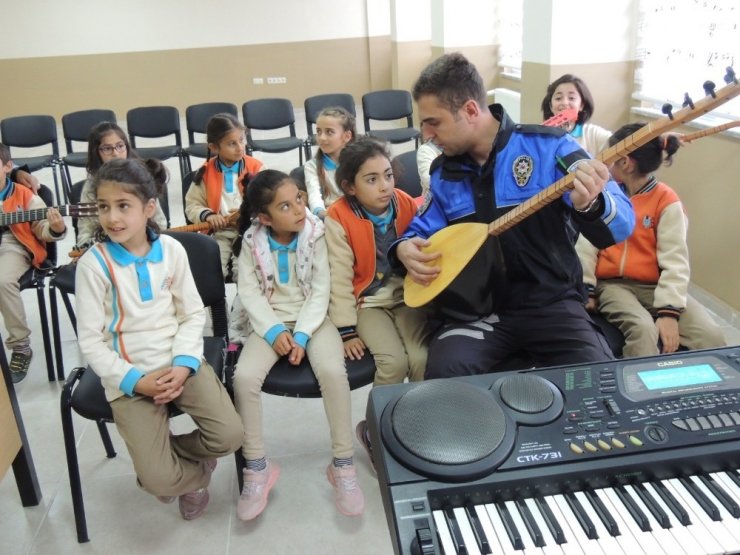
<point x="84" y="210"/>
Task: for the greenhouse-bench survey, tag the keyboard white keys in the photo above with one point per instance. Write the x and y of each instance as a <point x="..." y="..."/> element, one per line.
<point x="485" y="521"/>
<point x="693" y="538"/>
<point x="467" y="532"/>
<point x="529" y="547"/>
<point x="588" y="546"/>
<point x="645" y="540"/>
<point x="503" y="537"/>
<point x="629" y="543"/>
<point x="571" y="544"/>
<point x="661" y="535"/>
<point x="606" y="540"/>
<point x="445" y="538"/>
<point x="715" y="528"/>
<point x="551" y="546"/>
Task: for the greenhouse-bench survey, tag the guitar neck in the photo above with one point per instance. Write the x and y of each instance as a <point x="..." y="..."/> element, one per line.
<point x="710" y="131"/>
<point x="34" y="214"/>
<point x="613" y="153"/>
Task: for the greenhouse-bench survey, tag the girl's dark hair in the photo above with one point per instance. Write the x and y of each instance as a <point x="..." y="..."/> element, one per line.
<point x="357" y="153"/>
<point x="218" y="126"/>
<point x="453" y="79"/>
<point x="649" y="156"/>
<point x="259" y="192"/>
<point x="96" y="138"/>
<point x="347" y="121"/>
<point x="145" y="179"/>
<point x="587" y="101"/>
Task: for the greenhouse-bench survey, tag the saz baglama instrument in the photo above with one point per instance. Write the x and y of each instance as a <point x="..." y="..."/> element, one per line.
<point x="84" y="210"/>
<point x="688" y="137"/>
<point x="458" y="243"/>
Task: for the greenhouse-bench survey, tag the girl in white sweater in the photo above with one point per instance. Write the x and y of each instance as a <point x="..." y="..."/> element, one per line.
<point x="335" y="128"/>
<point x="140" y="325"/>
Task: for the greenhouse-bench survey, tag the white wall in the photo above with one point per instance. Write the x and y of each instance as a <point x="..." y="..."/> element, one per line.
<point x="460" y="23"/>
<point x="561" y="32"/>
<point x="33" y="28"/>
<point x="411" y="20"/>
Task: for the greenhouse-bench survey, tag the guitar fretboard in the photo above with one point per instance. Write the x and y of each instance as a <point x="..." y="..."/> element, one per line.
<point x="35" y="214"/>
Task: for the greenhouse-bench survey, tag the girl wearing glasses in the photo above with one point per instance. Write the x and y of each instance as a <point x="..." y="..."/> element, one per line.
<point x="107" y="141"/>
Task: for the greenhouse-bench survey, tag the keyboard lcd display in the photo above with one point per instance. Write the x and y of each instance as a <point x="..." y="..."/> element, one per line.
<point x="677" y="377"/>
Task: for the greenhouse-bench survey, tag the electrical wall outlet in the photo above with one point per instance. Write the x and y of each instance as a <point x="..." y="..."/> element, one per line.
<point x="277" y="80"/>
<point x="258" y="81"/>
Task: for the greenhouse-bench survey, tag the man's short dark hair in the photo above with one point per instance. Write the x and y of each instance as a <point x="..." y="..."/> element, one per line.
<point x="453" y="80"/>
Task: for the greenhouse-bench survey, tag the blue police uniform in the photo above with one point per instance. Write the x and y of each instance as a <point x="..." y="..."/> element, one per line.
<point x="530" y="275"/>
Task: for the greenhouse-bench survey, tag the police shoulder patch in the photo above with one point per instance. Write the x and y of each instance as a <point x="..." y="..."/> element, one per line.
<point x="522" y="169"/>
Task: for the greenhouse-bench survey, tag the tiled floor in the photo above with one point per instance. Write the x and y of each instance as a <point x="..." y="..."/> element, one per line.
<point x="300" y="518"/>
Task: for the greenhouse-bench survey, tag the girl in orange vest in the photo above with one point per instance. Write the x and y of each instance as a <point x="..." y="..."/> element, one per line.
<point x="216" y="192"/>
<point x="366" y="301"/>
<point x="641" y="285"/>
<point x="22" y="246"/>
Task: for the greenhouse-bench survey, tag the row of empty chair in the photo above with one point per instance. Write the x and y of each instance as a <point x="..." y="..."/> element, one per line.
<point x="162" y="122"/>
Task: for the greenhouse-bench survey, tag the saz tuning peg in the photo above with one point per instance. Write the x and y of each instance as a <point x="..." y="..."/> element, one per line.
<point x="709" y="89"/>
<point x="730" y="75"/>
<point x="667" y="109"/>
<point x="687" y="101"/>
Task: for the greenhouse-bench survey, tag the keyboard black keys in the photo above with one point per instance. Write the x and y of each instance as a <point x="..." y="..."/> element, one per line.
<point x="673" y="504"/>
<point x="454" y="528"/>
<point x="478" y="532"/>
<point x="606" y="518"/>
<point x="721" y="495"/>
<point x="704" y="502"/>
<point x="634" y="510"/>
<point x="511" y="530"/>
<point x="660" y="516"/>
<point x="552" y="523"/>
<point x="529" y="523"/>
<point x="586" y="524"/>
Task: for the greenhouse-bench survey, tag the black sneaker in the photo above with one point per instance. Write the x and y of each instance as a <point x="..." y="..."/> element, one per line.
<point x="363" y="435"/>
<point x="19" y="363"/>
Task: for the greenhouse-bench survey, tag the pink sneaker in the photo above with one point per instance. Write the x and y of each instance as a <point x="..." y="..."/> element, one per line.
<point x="347" y="493"/>
<point x="257" y="486"/>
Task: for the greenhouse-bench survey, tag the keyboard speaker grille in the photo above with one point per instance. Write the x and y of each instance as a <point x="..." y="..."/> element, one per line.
<point x="448" y="422"/>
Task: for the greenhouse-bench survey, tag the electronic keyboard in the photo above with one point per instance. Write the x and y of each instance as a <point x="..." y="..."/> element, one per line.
<point x="626" y="456"/>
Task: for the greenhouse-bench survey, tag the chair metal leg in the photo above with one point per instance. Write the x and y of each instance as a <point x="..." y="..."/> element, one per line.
<point x="70" y="309"/>
<point x="66" y="179"/>
<point x="73" y="467"/>
<point x="45" y="331"/>
<point x="241" y="463"/>
<point x="55" y="329"/>
<point x="110" y="451"/>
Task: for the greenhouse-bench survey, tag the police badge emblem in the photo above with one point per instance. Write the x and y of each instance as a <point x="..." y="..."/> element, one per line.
<point x="522" y="169"/>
